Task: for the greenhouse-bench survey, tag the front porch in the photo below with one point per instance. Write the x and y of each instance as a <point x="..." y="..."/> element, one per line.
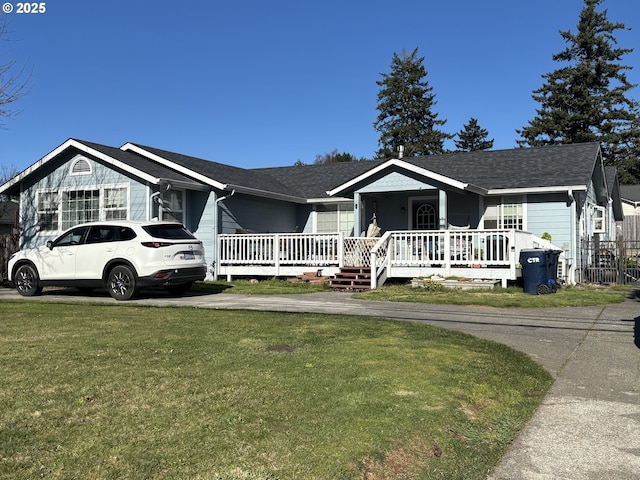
<point x="473" y="254"/>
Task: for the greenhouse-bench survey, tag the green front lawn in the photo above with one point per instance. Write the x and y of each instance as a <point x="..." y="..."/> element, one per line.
<point x="128" y="391"/>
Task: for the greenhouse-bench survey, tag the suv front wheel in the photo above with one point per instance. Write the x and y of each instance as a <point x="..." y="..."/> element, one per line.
<point x="122" y="283"/>
<point x="26" y="281"/>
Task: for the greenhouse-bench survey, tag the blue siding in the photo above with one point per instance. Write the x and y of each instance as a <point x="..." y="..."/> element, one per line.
<point x="550" y="213"/>
<point x="395" y="182"/>
<point x="58" y="177"/>
<point x="257" y="215"/>
<point x="200" y="220"/>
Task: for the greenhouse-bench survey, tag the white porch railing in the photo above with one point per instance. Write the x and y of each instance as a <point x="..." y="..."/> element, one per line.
<point x="279" y="254"/>
<point x="463" y="253"/>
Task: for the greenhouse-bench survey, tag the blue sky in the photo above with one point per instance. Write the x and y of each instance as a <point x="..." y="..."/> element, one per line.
<point x="257" y="83"/>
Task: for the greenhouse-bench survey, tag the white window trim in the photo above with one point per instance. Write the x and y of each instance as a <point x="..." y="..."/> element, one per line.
<point x="602" y="218"/>
<point x="77" y="160"/>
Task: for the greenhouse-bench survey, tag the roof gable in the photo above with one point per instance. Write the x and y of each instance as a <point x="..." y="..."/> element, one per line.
<point x="126" y="161"/>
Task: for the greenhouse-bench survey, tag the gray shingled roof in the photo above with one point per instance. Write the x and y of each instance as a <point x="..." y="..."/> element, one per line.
<point x="554" y="165"/>
<point x="313" y="181"/>
<point x="138" y="162"/>
<point x="630" y="193"/>
<point x="226" y="174"/>
<point x="549" y="166"/>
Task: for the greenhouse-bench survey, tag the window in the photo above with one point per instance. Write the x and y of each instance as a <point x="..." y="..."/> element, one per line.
<point x="504" y="213"/>
<point x="426" y="217"/>
<point x="115" y="203"/>
<point x="48" y="211"/>
<point x="61" y="210"/>
<point x="334" y="218"/>
<point x="74" y="237"/>
<point x="172" y="206"/>
<point x="80" y="206"/>
<point x="103" y="233"/>
<point x="599" y="219"/>
<point x="512" y="213"/>
<point x="81" y="167"/>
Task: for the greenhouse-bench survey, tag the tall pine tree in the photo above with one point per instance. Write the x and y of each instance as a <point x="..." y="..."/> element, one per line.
<point x="586" y="100"/>
<point x="405" y="105"/>
<point x="473" y="137"/>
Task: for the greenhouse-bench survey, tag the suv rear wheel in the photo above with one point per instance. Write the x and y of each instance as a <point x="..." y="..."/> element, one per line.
<point x="26" y="281"/>
<point x="122" y="283"/>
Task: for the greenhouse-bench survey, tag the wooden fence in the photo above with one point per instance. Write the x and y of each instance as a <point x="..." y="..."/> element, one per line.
<point x="8" y="245"/>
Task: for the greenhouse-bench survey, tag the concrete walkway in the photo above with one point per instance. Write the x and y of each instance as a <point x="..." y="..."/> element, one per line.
<point x="588" y="426"/>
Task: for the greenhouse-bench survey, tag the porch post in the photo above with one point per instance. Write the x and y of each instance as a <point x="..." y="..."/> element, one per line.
<point x="357" y="214"/>
<point x="442" y="210"/>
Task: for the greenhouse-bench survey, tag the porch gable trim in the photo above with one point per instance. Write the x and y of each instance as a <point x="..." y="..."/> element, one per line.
<point x="406" y="166"/>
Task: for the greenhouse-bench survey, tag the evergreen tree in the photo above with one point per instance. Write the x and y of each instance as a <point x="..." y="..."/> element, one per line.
<point x="473" y="137"/>
<point x="335" y="157"/>
<point x="405" y="103"/>
<point x="586" y="100"/>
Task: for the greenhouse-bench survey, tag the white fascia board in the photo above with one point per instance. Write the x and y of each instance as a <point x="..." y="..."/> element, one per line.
<point x="167" y="163"/>
<point x="83" y="148"/>
<point x="29" y="170"/>
<point x="116" y="163"/>
<point x="404" y="165"/>
<point x="264" y="193"/>
<point x="522" y="191"/>
<point x="330" y="200"/>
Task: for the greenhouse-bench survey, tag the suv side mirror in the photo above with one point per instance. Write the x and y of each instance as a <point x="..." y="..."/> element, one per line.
<point x="50" y="244"/>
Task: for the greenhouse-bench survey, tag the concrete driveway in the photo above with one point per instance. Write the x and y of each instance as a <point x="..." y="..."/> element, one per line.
<point x="588" y="426"/>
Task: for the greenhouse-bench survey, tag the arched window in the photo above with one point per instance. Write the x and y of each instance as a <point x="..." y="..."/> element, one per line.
<point x="426" y="217"/>
<point x="81" y="167"/>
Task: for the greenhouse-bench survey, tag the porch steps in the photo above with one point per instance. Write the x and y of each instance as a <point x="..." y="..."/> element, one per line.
<point x="352" y="279"/>
<point x="309" y="277"/>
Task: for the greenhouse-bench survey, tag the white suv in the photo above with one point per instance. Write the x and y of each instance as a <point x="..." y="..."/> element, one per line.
<point x="121" y="256"/>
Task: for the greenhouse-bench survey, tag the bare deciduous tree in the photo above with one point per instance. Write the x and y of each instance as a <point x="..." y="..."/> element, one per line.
<point x="14" y="80"/>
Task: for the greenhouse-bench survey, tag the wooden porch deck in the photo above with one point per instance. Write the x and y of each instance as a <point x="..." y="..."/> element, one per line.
<point x="486" y="254"/>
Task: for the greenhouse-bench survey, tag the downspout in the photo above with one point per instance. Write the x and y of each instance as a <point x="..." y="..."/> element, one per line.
<point x="216" y="238"/>
<point x="575" y="247"/>
<point x="155" y="198"/>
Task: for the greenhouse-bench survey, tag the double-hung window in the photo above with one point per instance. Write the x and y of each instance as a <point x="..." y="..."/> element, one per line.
<point x="599" y="217"/>
<point x="504" y="213"/>
<point x="62" y="209"/>
<point x="173" y="205"/>
<point x="48" y="208"/>
<point x="115" y="203"/>
<point x="334" y="218"/>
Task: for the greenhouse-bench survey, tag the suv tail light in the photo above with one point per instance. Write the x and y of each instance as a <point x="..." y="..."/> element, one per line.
<point x="156" y="244"/>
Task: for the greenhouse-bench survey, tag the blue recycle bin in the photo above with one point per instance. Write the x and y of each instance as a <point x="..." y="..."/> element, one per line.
<point x="540" y="270"/>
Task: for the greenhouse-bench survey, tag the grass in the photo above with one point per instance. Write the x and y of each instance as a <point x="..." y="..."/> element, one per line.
<point x="572" y="296"/>
<point x="511" y="297"/>
<point x="128" y="391"/>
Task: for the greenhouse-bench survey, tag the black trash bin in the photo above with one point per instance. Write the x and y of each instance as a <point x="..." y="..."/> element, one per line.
<point x="540" y="270"/>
